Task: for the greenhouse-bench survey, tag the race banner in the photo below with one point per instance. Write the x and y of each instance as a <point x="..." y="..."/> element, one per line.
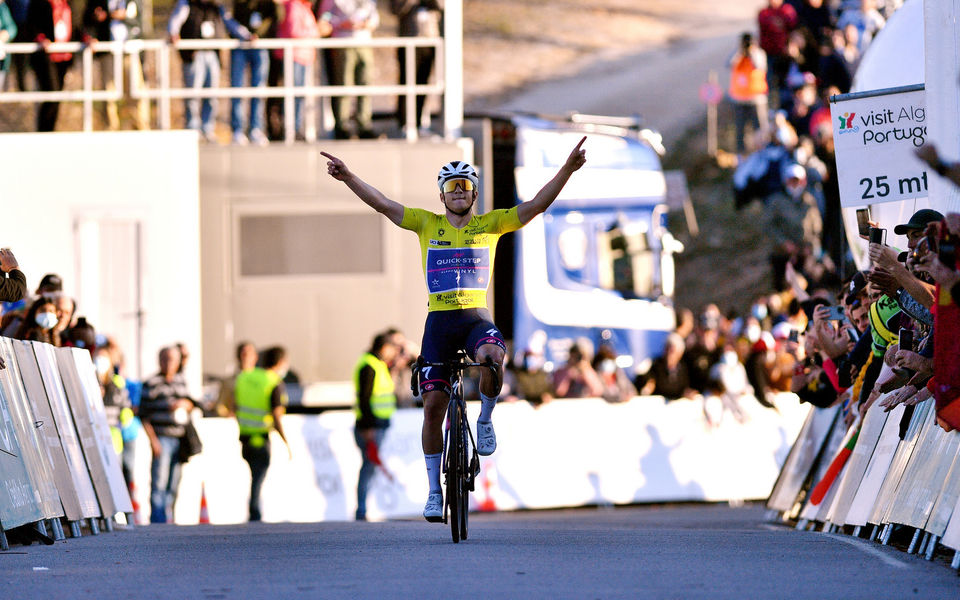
<point x="875" y="136"/>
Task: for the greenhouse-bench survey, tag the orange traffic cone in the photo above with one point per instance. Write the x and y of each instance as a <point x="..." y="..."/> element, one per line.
<point x="489" y="476"/>
<point x="133" y="502"/>
<point x="204" y="513"/>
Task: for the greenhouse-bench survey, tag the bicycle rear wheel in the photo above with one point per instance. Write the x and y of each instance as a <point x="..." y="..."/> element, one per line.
<point x="455" y="470"/>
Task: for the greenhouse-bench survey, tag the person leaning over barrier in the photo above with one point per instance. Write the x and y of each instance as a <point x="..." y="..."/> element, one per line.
<point x="13" y="283"/>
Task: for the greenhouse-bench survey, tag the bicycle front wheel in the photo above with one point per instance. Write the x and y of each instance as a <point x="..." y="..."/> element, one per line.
<point x="464" y="494"/>
<point x="455" y="471"/>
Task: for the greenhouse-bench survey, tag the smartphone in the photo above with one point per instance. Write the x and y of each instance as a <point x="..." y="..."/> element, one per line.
<point x="876" y="235"/>
<point x="863" y="221"/>
<point x="905" y="340"/>
<point x="794" y="336"/>
<point x="836" y="313"/>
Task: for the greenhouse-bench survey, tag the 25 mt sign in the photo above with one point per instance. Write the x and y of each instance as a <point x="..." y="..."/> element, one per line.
<point x="875" y="136"/>
<point x="877" y="189"/>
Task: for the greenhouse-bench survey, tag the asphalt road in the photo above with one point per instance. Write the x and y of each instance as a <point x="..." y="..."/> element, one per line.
<point x="661" y="85"/>
<point x="688" y="551"/>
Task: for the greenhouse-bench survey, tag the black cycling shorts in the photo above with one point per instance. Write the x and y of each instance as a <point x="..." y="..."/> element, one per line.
<point x="446" y="332"/>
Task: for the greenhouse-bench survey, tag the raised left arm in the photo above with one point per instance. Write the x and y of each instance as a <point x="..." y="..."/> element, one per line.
<point x="545" y="197"/>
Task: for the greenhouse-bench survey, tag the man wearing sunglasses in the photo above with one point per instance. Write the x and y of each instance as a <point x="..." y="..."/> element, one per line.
<point x="457" y="249"/>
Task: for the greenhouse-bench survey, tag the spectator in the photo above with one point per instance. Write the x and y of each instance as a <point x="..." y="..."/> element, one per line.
<point x="296" y="21"/>
<point x="775" y="22"/>
<point x="50" y="21"/>
<point x="668" y="376"/>
<point x="82" y="335"/>
<point x="39" y="324"/>
<point x="261" y="401"/>
<point x="8" y="32"/>
<point x="259" y="18"/>
<point x="18" y="11"/>
<point x="193" y="20"/>
<point x="116" y="404"/>
<point x="66" y="310"/>
<point x="355" y="20"/>
<point x="400" y="368"/>
<point x="704" y="352"/>
<point x="13" y="317"/>
<point x="13" y="283"/>
<point x="375" y="403"/>
<point x="119" y="21"/>
<point x="416" y="18"/>
<point x="748" y="90"/>
<point x="616" y="385"/>
<point x="165" y="408"/>
<point x="576" y="378"/>
<point x="730" y="377"/>
<point x="534" y="384"/>
<point x="865" y="19"/>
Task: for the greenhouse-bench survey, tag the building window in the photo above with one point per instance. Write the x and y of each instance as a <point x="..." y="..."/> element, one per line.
<point x="310" y="244"/>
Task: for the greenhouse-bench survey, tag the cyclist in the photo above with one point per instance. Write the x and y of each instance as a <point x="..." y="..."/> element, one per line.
<point x="457" y="250"/>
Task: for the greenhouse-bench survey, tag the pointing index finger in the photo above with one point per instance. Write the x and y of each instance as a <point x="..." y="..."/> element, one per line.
<point x="330" y="156"/>
<point x="580" y="143"/>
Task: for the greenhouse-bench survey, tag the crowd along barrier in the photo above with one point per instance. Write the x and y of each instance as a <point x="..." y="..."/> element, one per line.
<point x="643" y="450"/>
<point x="902" y="474"/>
<point x="58" y="461"/>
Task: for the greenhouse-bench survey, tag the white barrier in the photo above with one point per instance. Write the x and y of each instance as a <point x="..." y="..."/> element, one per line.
<point x="566" y="453"/>
<point x="888" y="481"/>
<point x="58" y="459"/>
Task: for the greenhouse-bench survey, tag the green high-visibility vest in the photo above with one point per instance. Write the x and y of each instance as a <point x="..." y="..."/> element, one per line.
<point x="252" y="391"/>
<point x="383" y="402"/>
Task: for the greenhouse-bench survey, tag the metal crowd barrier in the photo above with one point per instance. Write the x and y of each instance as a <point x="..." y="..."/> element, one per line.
<point x="57" y="461"/>
<point x="903" y="472"/>
<point x="163" y="91"/>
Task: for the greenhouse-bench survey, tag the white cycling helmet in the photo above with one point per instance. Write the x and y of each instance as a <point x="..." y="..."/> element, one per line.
<point x="457" y="169"/>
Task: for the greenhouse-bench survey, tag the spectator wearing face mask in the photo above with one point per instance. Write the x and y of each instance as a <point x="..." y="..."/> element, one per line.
<point x="616" y="385"/>
<point x="40" y="322"/>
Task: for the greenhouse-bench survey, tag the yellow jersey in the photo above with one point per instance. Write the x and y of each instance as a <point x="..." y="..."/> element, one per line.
<point x="458" y="263"/>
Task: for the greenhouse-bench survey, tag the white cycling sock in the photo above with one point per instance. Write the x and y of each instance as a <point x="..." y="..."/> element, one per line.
<point x="486" y="407"/>
<point x="433" y="471"/>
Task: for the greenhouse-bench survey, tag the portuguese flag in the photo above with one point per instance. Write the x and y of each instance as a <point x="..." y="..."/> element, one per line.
<point x="821" y="489"/>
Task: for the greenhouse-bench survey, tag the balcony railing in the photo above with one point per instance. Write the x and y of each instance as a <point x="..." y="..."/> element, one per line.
<point x="161" y="88"/>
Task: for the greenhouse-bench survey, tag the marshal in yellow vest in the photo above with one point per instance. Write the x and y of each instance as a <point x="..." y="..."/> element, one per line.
<point x="253" y="390"/>
<point x="383" y="401"/>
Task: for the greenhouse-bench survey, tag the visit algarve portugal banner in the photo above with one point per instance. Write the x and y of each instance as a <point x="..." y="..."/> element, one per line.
<point x="875" y="136"/>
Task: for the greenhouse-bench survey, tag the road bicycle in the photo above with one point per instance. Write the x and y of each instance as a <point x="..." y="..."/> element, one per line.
<point x="461" y="462"/>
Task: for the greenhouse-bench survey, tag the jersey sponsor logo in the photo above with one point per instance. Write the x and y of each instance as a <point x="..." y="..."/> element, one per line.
<point x="456" y="269"/>
<point x="440" y="243"/>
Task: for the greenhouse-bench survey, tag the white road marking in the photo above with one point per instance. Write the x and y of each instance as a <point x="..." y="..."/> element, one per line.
<point x="857" y="543"/>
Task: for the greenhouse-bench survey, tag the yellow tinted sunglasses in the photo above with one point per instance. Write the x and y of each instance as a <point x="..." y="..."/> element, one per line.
<point x="450" y="185"/>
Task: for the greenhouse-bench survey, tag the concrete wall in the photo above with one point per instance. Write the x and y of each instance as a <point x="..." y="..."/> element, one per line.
<point x="325" y="320"/>
<point x="116" y="216"/>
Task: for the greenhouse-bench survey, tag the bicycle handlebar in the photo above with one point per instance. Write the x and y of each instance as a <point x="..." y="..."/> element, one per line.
<point x="457" y="364"/>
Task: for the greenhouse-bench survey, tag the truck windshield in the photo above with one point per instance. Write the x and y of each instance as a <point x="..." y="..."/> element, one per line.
<point x="602" y="249"/>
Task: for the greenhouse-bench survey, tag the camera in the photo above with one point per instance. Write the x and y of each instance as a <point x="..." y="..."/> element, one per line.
<point x="946" y="249"/>
<point x="836" y="313"/>
<point x="863" y="221"/>
<point x="905" y="341"/>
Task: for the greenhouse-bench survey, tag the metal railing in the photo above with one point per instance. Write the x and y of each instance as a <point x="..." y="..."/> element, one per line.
<point x="163" y="91"/>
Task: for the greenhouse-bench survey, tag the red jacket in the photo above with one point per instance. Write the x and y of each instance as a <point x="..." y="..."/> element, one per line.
<point x="775" y="27"/>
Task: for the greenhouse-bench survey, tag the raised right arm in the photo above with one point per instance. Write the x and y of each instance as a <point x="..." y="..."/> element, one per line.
<point x="366" y="192"/>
